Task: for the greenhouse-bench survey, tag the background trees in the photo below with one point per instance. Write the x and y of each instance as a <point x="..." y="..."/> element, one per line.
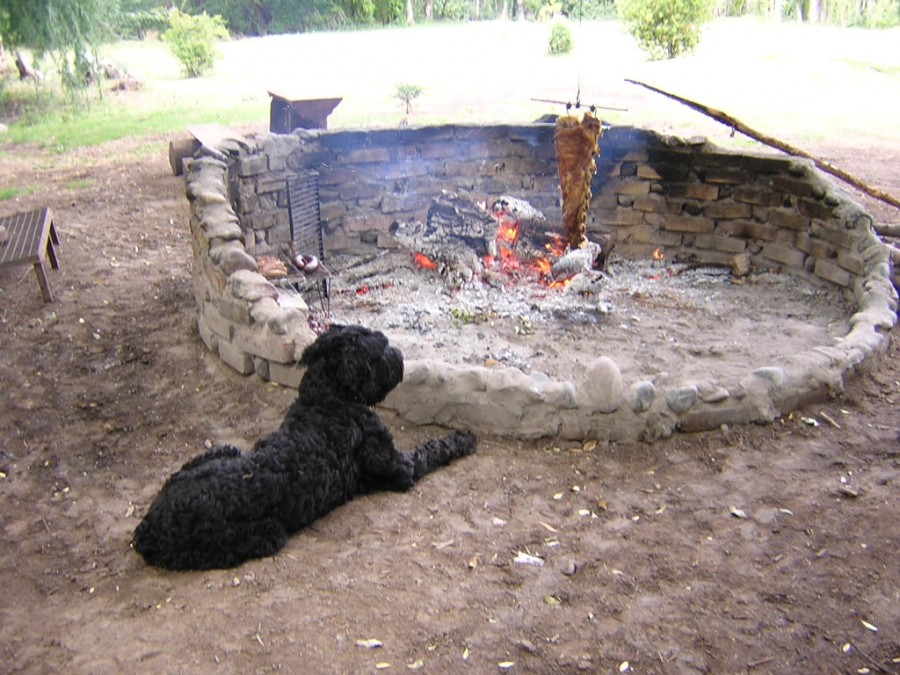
<point x="67" y="31"/>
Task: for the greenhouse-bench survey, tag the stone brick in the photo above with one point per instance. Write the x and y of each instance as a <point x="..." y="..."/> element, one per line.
<point x="727" y="244"/>
<point x="708" y="418"/>
<point x="830" y="271"/>
<point x="759" y="164"/>
<point x="332" y="210"/>
<point x="265" y="343"/>
<point x="687" y="224"/>
<point x="666" y="171"/>
<point x="287" y="375"/>
<point x="651" y="202"/>
<point x="748" y="229"/>
<point x="726" y="176"/>
<point x="756" y="194"/>
<point x="234" y="357"/>
<point x="814" y="247"/>
<point x="618" y="217"/>
<point x="253" y="165"/>
<point x="699" y="191"/>
<point x="645" y="234"/>
<point x="367" y="156"/>
<point x="237" y="311"/>
<point x="788" y="218"/>
<point x="210" y="339"/>
<point x="815" y="209"/>
<point x="727" y="210"/>
<point x="794" y="186"/>
<point x="784" y="255"/>
<point x="851" y="263"/>
<point x="840" y="238"/>
<point x="632" y="187"/>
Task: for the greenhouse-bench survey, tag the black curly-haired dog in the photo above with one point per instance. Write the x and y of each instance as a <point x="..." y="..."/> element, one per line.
<point x="225" y="507"/>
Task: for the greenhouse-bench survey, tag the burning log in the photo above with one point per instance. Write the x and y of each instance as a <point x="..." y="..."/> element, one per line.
<point x="455" y="236"/>
<point x="576" y="146"/>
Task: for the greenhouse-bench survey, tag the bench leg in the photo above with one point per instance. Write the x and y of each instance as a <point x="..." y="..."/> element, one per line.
<point x="42" y="281"/>
<point x="51" y="254"/>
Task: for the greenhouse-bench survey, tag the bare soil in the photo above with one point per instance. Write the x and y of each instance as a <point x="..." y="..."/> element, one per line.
<point x="763" y="549"/>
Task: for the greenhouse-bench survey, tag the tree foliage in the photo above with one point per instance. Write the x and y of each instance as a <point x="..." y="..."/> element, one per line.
<point x="69" y="32"/>
<point x="665" y="28"/>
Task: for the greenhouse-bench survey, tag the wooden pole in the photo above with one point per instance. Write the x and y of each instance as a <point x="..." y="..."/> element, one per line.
<point x="737" y="125"/>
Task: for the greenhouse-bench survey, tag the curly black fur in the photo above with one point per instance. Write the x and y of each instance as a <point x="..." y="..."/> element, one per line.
<point x="225" y="507"/>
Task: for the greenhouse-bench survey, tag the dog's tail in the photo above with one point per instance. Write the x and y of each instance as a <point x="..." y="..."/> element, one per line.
<point x="440" y="451"/>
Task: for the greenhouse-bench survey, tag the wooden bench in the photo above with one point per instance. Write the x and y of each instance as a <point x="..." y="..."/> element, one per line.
<point x="31" y="238"/>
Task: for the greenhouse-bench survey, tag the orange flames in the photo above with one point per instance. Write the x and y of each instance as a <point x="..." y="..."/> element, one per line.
<point x="424" y="261"/>
<point x="658" y="255"/>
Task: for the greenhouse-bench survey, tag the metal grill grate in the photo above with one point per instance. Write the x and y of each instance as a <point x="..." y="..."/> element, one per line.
<point x="307" y="236"/>
<point x="305" y="217"/>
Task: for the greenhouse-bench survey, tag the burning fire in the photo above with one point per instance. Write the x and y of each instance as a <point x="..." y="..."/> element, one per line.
<point x="424" y="261"/>
<point x="658" y="255"/>
<point x="510" y="263"/>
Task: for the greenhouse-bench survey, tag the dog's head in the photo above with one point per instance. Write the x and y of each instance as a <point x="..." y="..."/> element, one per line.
<point x="351" y="363"/>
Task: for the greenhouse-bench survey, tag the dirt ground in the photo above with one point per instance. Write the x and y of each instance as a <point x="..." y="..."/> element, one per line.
<point x="764" y="549"/>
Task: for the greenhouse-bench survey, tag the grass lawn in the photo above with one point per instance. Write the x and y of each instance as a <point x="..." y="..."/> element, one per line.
<point x="794" y="81"/>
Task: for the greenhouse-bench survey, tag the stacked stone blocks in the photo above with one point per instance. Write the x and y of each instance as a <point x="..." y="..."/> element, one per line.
<point x="683" y="196"/>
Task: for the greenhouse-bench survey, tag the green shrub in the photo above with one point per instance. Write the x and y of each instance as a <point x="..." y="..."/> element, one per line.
<point x="560" y="39"/>
<point x="665" y="28"/>
<point x="192" y="40"/>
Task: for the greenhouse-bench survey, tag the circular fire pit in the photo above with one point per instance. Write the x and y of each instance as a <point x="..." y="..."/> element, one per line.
<point x="649" y="346"/>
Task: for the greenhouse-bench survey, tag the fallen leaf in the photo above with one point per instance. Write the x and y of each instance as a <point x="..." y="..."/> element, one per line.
<point x="382" y="665"/>
<point x="558" y="496"/>
<point x="602" y="505"/>
<point x="506" y="665"/>
<point x="546" y="526"/>
<point x="589" y="446"/>
<point x="473" y="563"/>
<point x="466" y="654"/>
<point x="583" y="512"/>
<point x="624" y="667"/>
<point x="553" y="601"/>
<point x="498" y="522"/>
<point x="846" y="648"/>
<point x="415" y="665"/>
<point x="370" y="643"/>
<point x="809" y="421"/>
<point x="869" y="626"/>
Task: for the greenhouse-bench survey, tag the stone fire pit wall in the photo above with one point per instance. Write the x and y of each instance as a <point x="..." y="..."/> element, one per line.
<point x="653" y="191"/>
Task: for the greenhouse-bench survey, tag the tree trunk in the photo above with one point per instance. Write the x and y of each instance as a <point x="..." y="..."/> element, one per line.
<point x="23" y="67"/>
<point x="410" y="14"/>
<point x="815" y="11"/>
<point x="429" y="10"/>
<point x="520" y="10"/>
